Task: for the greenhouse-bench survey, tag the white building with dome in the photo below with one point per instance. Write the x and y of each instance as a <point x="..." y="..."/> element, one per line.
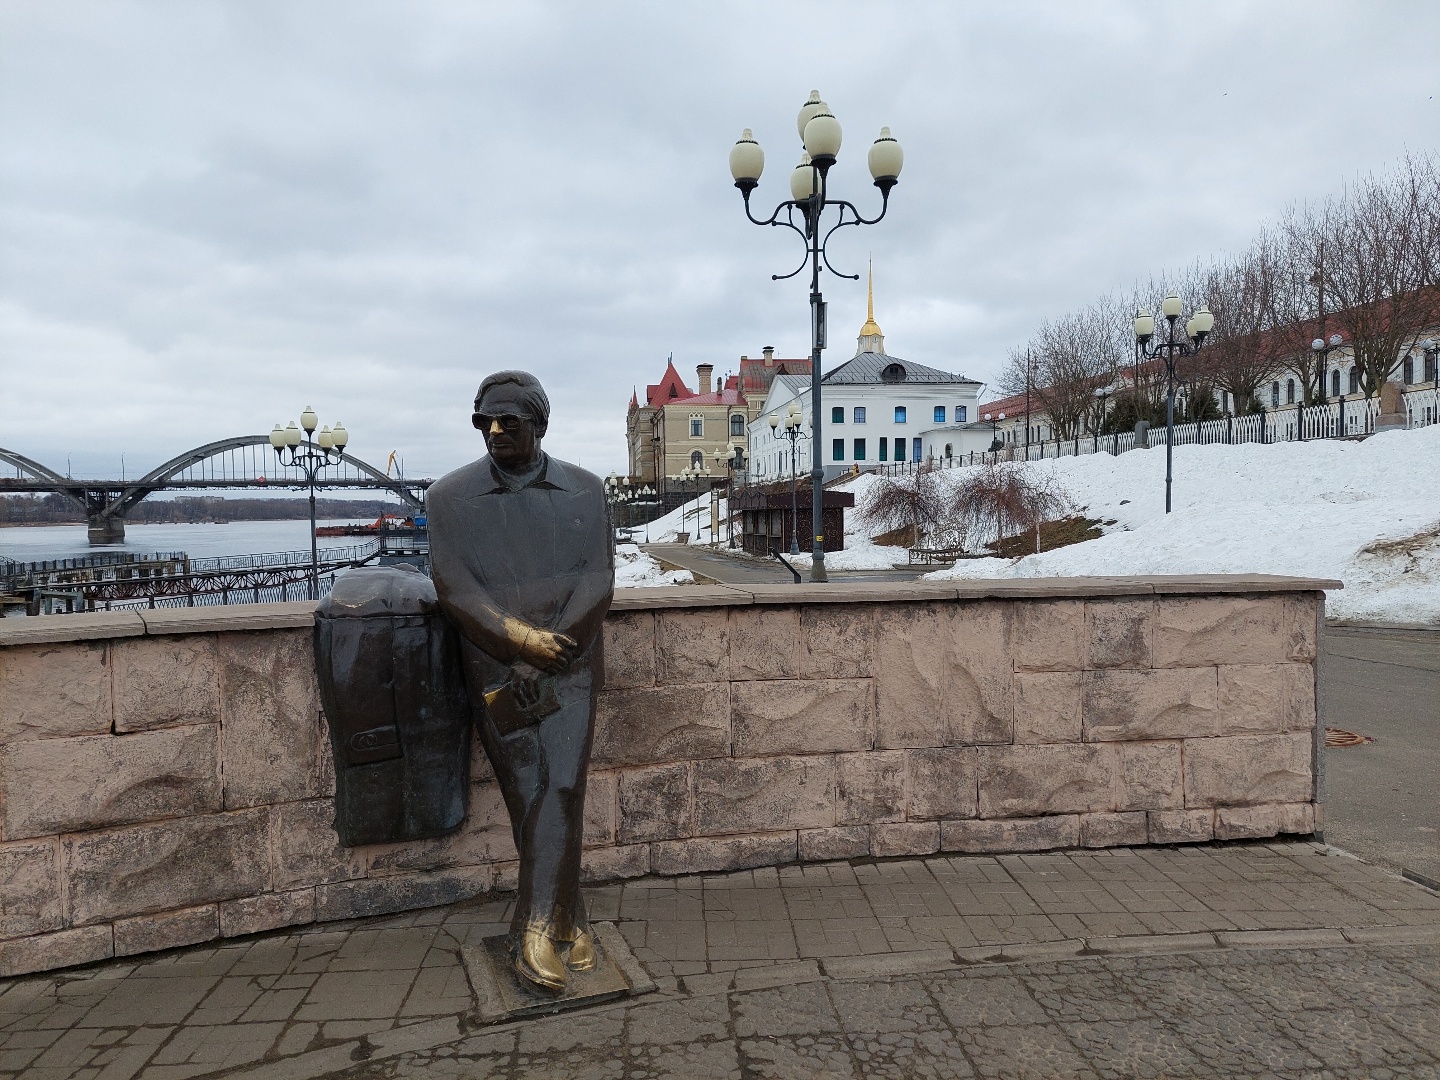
<point x="878" y="410"/>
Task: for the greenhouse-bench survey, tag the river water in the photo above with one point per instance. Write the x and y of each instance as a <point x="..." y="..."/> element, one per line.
<point x="31" y="543"/>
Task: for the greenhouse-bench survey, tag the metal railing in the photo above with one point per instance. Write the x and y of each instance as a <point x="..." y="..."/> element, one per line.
<point x="105" y="582"/>
<point x="256" y="594"/>
<point x="1342" y="419"/>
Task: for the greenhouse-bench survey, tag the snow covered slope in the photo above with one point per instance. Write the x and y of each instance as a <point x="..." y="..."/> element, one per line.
<point x="1307" y="509"/>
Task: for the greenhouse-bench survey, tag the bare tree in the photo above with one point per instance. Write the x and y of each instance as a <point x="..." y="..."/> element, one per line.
<point x="1380" y="266"/>
<point x="1007" y="498"/>
<point x="1299" y="312"/>
<point x="1239" y="356"/>
<point x="1063" y="365"/>
<point x="914" y="501"/>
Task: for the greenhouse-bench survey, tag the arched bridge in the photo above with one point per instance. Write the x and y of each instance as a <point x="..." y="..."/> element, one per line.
<point x="245" y="461"/>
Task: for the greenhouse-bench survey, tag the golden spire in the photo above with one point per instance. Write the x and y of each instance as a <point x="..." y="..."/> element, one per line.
<point x="870" y="328"/>
<point x="870" y="337"/>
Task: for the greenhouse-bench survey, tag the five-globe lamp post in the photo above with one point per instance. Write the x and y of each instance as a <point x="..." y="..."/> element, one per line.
<point x="310" y="453"/>
<point x="1197" y="327"/>
<point x="804" y="213"/>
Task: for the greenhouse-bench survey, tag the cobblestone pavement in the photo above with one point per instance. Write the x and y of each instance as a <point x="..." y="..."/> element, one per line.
<point x="1217" y="960"/>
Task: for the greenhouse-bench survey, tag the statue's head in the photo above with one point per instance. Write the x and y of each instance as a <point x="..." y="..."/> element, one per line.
<point x="513" y="413"/>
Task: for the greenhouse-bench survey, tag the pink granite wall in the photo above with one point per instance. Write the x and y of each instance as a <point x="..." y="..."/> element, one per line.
<point x="165" y="777"/>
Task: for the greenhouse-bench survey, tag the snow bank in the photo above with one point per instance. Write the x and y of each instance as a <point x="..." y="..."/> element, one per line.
<point x="634" y="569"/>
<point x="1306" y="509"/>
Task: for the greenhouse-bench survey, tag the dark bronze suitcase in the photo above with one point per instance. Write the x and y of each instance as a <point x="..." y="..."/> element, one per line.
<point x="393" y="690"/>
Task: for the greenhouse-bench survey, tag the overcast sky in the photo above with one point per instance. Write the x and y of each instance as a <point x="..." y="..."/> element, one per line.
<point x="213" y="215"/>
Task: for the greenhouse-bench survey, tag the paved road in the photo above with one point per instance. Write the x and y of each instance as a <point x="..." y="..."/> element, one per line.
<point x="1383" y="799"/>
<point x="1282" y="959"/>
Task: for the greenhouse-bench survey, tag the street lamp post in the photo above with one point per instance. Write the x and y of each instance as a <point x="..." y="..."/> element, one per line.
<point x="1322" y="350"/>
<point x="647" y="496"/>
<point x="1432" y="353"/>
<point x="1196" y="328"/>
<point x="733" y="464"/>
<point x="311" y="455"/>
<point x="692" y="472"/>
<point x="794" y="435"/>
<point x="820" y="133"/>
<point x="995" y="443"/>
<point x="1101" y="394"/>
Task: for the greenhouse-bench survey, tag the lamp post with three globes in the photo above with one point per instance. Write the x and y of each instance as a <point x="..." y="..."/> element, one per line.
<point x="803" y="212"/>
<point x="1196" y="328"/>
<point x="314" y="453"/>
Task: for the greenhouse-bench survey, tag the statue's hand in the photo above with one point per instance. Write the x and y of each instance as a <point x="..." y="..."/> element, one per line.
<point x="549" y="651"/>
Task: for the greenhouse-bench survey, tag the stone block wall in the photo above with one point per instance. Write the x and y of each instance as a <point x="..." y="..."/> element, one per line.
<point x="166" y="777"/>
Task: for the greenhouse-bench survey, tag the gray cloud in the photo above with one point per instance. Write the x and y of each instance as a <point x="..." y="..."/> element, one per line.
<point x="215" y="214"/>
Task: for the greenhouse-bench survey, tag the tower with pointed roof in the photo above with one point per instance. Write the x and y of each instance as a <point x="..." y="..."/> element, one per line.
<point x="871" y="340"/>
<point x="879" y="410"/>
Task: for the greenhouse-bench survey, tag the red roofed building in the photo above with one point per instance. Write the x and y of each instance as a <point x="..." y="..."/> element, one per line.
<point x="757" y="375"/>
<point x="676" y="428"/>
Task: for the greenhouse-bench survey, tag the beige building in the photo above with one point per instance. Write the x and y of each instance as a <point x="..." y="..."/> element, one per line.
<point x="678" y="428"/>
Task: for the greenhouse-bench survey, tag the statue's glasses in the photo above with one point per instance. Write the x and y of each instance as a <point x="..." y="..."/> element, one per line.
<point x="507" y="421"/>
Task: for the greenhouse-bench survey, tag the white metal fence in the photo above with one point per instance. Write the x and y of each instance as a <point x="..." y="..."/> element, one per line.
<point x="1335" y="420"/>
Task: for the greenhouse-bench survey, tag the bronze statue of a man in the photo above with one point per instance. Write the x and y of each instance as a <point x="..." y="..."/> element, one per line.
<point x="522" y="558"/>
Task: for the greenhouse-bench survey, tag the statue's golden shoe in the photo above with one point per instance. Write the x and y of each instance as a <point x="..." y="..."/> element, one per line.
<point x="538" y="961"/>
<point x="582" y="952"/>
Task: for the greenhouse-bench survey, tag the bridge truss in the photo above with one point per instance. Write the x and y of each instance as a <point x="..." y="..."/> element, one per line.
<point x="245" y="461"/>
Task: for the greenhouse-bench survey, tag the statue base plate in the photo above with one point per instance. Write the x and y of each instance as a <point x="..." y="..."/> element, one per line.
<point x="502" y="995"/>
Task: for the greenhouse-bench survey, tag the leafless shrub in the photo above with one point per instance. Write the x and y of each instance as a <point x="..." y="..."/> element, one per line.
<point x="914" y="502"/>
<point x="1006" y="499"/>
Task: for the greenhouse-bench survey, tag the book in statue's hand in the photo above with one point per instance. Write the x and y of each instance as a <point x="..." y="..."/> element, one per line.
<point x="521" y="702"/>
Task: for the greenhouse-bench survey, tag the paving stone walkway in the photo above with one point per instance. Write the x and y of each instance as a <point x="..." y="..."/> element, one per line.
<point x="1284" y="959"/>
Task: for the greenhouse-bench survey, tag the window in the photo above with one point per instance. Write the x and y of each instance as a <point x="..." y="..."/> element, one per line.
<point x="900" y="448"/>
<point x="884" y="448"/>
<point x="1354" y="380"/>
<point x="1430" y="367"/>
<point x="837" y="414"/>
<point x="697" y="427"/>
<point x="1289" y="391"/>
<point x="859" y="414"/>
<point x="859" y="449"/>
<point x="737" y="426"/>
<point x="899" y="414"/>
<point x="1335" y="383"/>
<point x="1224" y="401"/>
<point x="1274" y="395"/>
<point x="939" y="414"/>
<point x="915" y="449"/>
<point x="697" y="460"/>
<point x="1409" y="371"/>
<point x="837" y="449"/>
<point x="959" y="414"/>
